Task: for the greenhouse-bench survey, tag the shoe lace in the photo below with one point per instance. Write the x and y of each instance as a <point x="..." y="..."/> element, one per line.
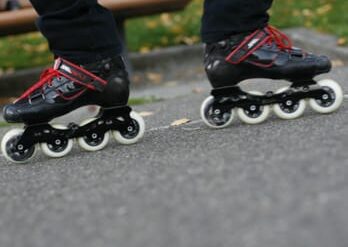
<point x="45" y="78"/>
<point x="282" y="41"/>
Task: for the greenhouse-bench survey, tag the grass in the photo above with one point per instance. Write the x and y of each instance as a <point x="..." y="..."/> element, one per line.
<point x="4" y="124"/>
<point x="143" y="101"/>
<point x="144" y="34"/>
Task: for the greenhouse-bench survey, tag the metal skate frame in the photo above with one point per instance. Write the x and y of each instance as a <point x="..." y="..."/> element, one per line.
<point x="227" y="98"/>
<point x="115" y="118"/>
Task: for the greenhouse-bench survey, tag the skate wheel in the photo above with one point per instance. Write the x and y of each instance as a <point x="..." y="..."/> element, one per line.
<point x="134" y="132"/>
<point x="331" y="101"/>
<point x="215" y="119"/>
<point x="8" y="148"/>
<point x="289" y="109"/>
<point x="93" y="141"/>
<point x="59" y="147"/>
<point x="255" y="114"/>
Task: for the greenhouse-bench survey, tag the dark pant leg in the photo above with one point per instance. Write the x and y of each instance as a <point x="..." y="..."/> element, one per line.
<point x="222" y="18"/>
<point x="81" y="31"/>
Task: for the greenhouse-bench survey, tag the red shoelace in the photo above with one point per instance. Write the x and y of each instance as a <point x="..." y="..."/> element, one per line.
<point x="280" y="39"/>
<point x="45" y="78"/>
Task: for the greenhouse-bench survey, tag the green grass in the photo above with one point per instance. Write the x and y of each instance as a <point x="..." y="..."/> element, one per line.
<point x="322" y="15"/>
<point x="143" y="101"/>
<point x="4" y="124"/>
<point x="144" y="34"/>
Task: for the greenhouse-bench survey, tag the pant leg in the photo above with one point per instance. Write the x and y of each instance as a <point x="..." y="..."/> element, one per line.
<point x="222" y="18"/>
<point x="81" y="31"/>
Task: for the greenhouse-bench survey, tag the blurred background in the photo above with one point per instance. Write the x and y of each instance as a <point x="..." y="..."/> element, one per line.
<point x="170" y="29"/>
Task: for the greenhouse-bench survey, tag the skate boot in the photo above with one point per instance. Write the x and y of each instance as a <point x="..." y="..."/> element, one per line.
<point x="62" y="89"/>
<point x="265" y="53"/>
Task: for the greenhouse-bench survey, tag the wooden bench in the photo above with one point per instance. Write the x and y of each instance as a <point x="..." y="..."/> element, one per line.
<point x="23" y="20"/>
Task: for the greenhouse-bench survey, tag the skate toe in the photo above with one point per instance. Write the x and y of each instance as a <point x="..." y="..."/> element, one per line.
<point x="323" y="64"/>
<point x="11" y="114"/>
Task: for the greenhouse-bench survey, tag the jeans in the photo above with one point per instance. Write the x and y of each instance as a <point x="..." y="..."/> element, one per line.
<point x="83" y="31"/>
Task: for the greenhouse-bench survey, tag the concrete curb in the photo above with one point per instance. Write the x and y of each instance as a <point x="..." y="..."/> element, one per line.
<point x="182" y="56"/>
<point x="159" y="60"/>
<point x="318" y="43"/>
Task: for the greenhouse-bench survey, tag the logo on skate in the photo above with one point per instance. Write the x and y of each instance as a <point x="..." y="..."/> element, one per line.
<point x="252" y="43"/>
<point x="66" y="68"/>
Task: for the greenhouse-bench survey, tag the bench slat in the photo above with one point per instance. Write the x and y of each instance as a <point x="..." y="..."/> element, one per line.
<point x="23" y="20"/>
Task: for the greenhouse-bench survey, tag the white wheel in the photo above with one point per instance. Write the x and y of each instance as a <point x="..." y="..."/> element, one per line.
<point x="215" y="119"/>
<point x="93" y="142"/>
<point x="330" y="101"/>
<point x="289" y="109"/>
<point x="135" y="131"/>
<point x="9" y="150"/>
<point x="254" y="114"/>
<point x="59" y="147"/>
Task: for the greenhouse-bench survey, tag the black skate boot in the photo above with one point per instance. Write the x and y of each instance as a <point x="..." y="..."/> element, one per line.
<point x="62" y="89"/>
<point x="265" y="53"/>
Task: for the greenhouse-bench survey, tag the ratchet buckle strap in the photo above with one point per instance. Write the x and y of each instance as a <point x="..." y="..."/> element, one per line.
<point x="248" y="46"/>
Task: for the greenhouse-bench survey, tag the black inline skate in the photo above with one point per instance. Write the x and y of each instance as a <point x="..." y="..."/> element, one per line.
<point x="265" y="53"/>
<point x="62" y="89"/>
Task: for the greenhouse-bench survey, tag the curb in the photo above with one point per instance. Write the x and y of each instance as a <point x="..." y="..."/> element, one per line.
<point x="158" y="60"/>
<point x="318" y="43"/>
<point x="170" y="58"/>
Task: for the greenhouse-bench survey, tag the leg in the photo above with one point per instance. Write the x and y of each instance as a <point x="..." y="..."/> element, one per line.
<point x="222" y="18"/>
<point x="81" y="31"/>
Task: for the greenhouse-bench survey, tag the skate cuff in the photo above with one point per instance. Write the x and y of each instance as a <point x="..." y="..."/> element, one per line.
<point x="249" y="45"/>
<point x="79" y="75"/>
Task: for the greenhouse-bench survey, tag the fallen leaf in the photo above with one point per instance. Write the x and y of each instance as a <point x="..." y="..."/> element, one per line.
<point x="337" y="63"/>
<point x="154" y="77"/>
<point x="146" y="113"/>
<point x="324" y="9"/>
<point x="180" y="122"/>
<point x="4" y="101"/>
<point x="144" y="50"/>
<point x="341" y="41"/>
<point x="171" y="84"/>
<point x="198" y="90"/>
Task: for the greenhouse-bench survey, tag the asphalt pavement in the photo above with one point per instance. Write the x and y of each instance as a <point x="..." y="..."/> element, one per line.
<point x="278" y="184"/>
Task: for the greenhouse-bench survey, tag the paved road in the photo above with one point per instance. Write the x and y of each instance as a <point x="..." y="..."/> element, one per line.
<point x="279" y="184"/>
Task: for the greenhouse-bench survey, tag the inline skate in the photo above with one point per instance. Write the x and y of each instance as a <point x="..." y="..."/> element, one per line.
<point x="265" y="53"/>
<point x="62" y="89"/>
